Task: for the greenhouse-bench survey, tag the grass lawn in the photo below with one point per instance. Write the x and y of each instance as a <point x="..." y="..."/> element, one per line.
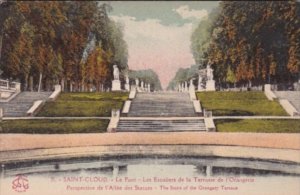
<point x="53" y="126"/>
<point x="84" y="104"/>
<point x="240" y="104"/>
<point x="258" y="125"/>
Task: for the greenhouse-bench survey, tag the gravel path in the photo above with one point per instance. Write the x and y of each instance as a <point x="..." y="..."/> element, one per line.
<point x="265" y="140"/>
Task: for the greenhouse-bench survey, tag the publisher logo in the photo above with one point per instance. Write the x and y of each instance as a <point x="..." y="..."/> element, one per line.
<point x="20" y="183"/>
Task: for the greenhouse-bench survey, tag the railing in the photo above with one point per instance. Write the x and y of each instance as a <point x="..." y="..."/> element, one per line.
<point x="5" y="84"/>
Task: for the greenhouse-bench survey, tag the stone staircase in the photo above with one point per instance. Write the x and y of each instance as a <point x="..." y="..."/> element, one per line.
<point x="162" y="104"/>
<point x="292" y="96"/>
<point x="160" y="125"/>
<point x="22" y="102"/>
<point x="161" y="112"/>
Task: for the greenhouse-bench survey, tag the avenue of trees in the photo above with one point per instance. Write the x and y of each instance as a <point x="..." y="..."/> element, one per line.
<point x="182" y="75"/>
<point x="250" y="43"/>
<point x="72" y="43"/>
<point x="148" y="76"/>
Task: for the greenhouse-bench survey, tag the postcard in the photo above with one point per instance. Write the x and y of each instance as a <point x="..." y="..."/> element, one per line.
<point x="149" y="97"/>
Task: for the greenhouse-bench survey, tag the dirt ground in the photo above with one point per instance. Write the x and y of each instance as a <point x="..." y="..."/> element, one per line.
<point x="24" y="141"/>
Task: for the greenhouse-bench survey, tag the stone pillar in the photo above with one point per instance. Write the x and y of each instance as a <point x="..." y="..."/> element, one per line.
<point x="142" y="85"/>
<point x="210" y="83"/>
<point x="191" y="87"/>
<point x="186" y="86"/>
<point x="200" y="83"/>
<point x="208" y="171"/>
<point x="149" y="88"/>
<point x="116" y="84"/>
<point x="115" y="113"/>
<point x="137" y="82"/>
<point x="114" y="120"/>
<point x="115" y="171"/>
<point x="127" y="86"/>
<point x="57" y="88"/>
<point x="18" y="87"/>
<point x="268" y="87"/>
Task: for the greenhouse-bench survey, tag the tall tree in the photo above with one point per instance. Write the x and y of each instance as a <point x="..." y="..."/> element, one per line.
<point x="257" y="41"/>
<point x="48" y="41"/>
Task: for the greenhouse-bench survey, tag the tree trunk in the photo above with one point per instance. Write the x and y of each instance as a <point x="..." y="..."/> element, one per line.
<point x="71" y="86"/>
<point x="31" y="83"/>
<point x="62" y="83"/>
<point x="40" y="82"/>
<point x="26" y="82"/>
<point x="48" y="84"/>
<point x="1" y="38"/>
<point x="82" y="86"/>
<point x="97" y="86"/>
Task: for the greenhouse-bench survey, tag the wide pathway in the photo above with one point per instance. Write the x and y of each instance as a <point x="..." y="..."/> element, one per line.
<point x="10" y="142"/>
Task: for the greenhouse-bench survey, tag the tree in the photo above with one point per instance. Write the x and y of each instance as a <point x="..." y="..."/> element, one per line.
<point x="257" y="41"/>
<point x="45" y="43"/>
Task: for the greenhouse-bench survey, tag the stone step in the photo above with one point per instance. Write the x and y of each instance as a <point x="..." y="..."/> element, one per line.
<point x="13" y="114"/>
<point x="161" y="108"/>
<point x="162" y="104"/>
<point x="149" y="107"/>
<point x="22" y="103"/>
<point x="15" y="105"/>
<point x="161" y="125"/>
<point x="154" y="121"/>
<point x="291" y="96"/>
<point x="161" y="112"/>
<point x="163" y="98"/>
<point x="160" y="115"/>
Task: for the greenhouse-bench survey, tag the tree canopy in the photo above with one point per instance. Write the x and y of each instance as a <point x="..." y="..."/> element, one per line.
<point x="182" y="75"/>
<point x="250" y="42"/>
<point x="148" y="76"/>
<point x="73" y="43"/>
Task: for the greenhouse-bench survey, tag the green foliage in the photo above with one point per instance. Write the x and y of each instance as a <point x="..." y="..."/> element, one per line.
<point x="239" y="104"/>
<point x="115" y="96"/>
<point x="183" y="74"/>
<point x="84" y="104"/>
<point x="258" y="125"/>
<point x="201" y="37"/>
<point x="54" y="126"/>
<point x="231" y="78"/>
<point x="255" y="42"/>
<point x="148" y="76"/>
<point x="49" y="38"/>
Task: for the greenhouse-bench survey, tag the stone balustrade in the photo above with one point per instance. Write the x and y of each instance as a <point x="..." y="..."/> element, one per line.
<point x="8" y="90"/>
<point x="11" y="86"/>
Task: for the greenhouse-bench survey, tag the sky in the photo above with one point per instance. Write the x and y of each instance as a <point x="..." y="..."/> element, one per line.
<point x="158" y="33"/>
